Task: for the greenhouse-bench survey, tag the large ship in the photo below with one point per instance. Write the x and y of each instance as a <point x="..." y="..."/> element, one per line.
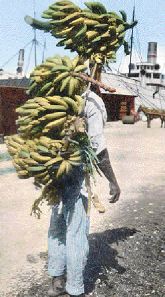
<point x="144" y="81"/>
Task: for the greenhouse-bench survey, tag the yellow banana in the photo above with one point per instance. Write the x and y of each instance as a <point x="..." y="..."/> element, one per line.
<point x="17" y="167"/>
<point x="41" y="175"/>
<point x="35" y="122"/>
<point x="66" y="31"/>
<point x="103" y="48"/>
<point x="37" y="157"/>
<point x="18" y="139"/>
<point x="75" y="158"/>
<point x="73" y="86"/>
<point x="14" y="144"/>
<point x="45" y="141"/>
<point x="67" y="62"/>
<point x="71" y="103"/>
<point x="52" y="116"/>
<point x="75" y="61"/>
<point x="46" y="179"/>
<point x="54" y="124"/>
<point x="74" y="163"/>
<point x="61" y="169"/>
<point x="12" y="150"/>
<point x="90" y="22"/>
<point x="57" y="100"/>
<point x="68" y="167"/>
<point x="60" y="77"/>
<point x="54" y="161"/>
<point x="30" y="105"/>
<point x="68" y="18"/>
<point x="91" y="34"/>
<point x="80" y="68"/>
<point x="80" y="103"/>
<point x="23" y="173"/>
<point x="77" y="21"/>
<point x="75" y="154"/>
<point x="106" y="35"/>
<point x="30" y="162"/>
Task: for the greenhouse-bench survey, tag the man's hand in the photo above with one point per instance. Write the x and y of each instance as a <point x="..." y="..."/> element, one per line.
<point x="115" y="194"/>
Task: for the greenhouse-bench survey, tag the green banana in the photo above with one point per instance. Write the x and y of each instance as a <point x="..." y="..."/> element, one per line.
<point x="36" y="168"/>
<point x="96" y="7"/>
<point x="46" y="87"/>
<point x="60" y="68"/>
<point x="57" y="14"/>
<point x="67" y="62"/>
<point x="64" y="84"/>
<point x="60" y="77"/>
<point x="71" y="103"/>
<point x="24" y="154"/>
<point x="82" y="31"/>
<point x="124" y="15"/>
<point x="46" y="26"/>
<point x="67" y="18"/>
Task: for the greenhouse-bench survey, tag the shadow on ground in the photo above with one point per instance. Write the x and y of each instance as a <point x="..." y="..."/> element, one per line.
<point x="103" y="258"/>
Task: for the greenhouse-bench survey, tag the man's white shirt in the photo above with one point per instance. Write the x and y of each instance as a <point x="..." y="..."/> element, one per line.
<point x="96" y="115"/>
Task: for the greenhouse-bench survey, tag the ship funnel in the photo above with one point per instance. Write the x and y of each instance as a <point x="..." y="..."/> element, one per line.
<point x="20" y="61"/>
<point x="152" y="52"/>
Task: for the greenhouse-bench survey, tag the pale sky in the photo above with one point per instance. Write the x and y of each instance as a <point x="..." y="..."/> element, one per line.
<point x="15" y="33"/>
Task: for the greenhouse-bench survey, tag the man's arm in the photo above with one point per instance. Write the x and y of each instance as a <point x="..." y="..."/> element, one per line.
<point x="105" y="166"/>
<point x="95" y="127"/>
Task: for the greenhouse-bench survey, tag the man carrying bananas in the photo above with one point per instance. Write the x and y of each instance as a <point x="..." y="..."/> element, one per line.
<point x="69" y="227"/>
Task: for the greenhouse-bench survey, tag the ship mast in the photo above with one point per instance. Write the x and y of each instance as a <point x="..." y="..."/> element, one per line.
<point x="35" y="38"/>
<point x="132" y="36"/>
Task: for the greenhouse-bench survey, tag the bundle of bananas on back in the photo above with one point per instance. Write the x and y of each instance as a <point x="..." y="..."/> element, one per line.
<point x="47" y="147"/>
<point x="52" y="141"/>
<point x="46" y="115"/>
<point x="43" y="158"/>
<point x="87" y="31"/>
<point x="54" y="76"/>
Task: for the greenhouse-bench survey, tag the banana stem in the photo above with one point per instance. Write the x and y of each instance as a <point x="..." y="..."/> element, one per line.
<point x="93" y="81"/>
<point x="92" y="76"/>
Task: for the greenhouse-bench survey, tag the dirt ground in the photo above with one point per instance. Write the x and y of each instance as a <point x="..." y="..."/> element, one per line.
<point x="127" y="242"/>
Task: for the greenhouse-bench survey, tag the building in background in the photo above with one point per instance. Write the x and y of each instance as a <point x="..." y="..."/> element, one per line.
<point x="12" y="95"/>
<point x="120" y="103"/>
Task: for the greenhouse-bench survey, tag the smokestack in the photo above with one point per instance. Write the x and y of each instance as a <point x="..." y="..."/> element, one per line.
<point x="20" y="62"/>
<point x="152" y="52"/>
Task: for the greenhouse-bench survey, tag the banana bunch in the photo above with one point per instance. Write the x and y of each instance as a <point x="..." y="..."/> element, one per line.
<point x="88" y="31"/>
<point x="54" y="76"/>
<point x="42" y="158"/>
<point x="73" y="126"/>
<point x="46" y="115"/>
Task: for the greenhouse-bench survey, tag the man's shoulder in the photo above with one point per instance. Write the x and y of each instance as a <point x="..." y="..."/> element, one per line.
<point x="93" y="99"/>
